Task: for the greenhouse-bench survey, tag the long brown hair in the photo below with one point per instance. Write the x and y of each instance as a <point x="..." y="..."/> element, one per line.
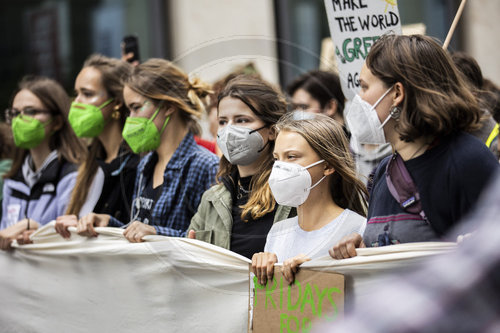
<point x="64" y="140"/>
<point x="166" y="84"/>
<point x="437" y="101"/>
<point x="327" y="138"/>
<point x="113" y="73"/>
<point x="269" y="105"/>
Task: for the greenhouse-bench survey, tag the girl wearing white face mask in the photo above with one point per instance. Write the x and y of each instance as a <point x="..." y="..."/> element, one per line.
<point x="314" y="171"/>
<point x="238" y="212"/>
<point x="413" y="97"/>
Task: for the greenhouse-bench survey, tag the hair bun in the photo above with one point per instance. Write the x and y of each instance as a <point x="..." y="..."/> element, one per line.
<point x="200" y="88"/>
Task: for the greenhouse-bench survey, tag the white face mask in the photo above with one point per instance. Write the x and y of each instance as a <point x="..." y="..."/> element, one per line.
<point x="363" y="122"/>
<point x="291" y="183"/>
<point x="240" y="145"/>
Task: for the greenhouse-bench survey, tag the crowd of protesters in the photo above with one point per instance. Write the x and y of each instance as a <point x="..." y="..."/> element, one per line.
<point x="285" y="184"/>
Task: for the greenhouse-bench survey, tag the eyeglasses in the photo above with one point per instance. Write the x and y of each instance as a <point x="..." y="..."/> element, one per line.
<point x="11" y="113"/>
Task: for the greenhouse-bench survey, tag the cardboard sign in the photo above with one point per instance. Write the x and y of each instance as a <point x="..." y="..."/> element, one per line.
<point x="354" y="26"/>
<point x="279" y="307"/>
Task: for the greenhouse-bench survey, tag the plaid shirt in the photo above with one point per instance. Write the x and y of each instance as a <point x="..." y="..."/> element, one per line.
<point x="189" y="173"/>
<point x="455" y="292"/>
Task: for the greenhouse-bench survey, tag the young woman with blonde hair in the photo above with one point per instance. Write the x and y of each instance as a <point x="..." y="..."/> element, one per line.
<point x="172" y="177"/>
<point x="314" y="171"/>
<point x="238" y="212"/>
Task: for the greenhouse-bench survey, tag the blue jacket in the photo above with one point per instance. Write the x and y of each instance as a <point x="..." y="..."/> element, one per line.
<point x="45" y="201"/>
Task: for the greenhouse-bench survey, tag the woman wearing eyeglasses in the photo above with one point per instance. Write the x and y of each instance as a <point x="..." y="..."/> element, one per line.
<point x="38" y="187"/>
<point x="413" y="97"/>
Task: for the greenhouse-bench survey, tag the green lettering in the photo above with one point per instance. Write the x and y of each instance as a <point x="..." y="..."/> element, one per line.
<point x="332" y="302"/>
<point x="291" y="330"/>
<point x="320" y="296"/>
<point x="306" y="325"/>
<point x="347" y="51"/>
<point x="357" y="51"/>
<point x="308" y="298"/>
<point x="269" y="292"/>
<point x="296" y="305"/>
<point x="366" y="44"/>
<point x="283" y="322"/>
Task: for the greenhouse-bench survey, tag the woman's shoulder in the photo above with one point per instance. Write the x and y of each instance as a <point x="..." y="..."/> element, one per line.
<point x="470" y="155"/>
<point x="215" y="191"/>
<point x="354" y="217"/>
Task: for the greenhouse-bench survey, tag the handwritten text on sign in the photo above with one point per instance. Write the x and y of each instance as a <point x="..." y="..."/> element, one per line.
<point x="279" y="307"/>
<point x="355" y="25"/>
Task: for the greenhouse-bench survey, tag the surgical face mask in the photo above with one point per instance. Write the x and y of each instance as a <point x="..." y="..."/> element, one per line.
<point x="87" y="120"/>
<point x="291" y="183"/>
<point x="240" y="145"/>
<point x="363" y="122"/>
<point x="141" y="133"/>
<point x="28" y="132"/>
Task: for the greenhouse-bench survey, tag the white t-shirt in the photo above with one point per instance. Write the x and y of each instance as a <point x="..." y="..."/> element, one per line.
<point x="287" y="239"/>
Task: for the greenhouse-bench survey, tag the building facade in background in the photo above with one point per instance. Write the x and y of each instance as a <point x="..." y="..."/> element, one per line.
<point x="208" y="38"/>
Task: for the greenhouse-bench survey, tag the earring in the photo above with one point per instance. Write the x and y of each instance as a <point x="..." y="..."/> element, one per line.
<point x="395" y="112"/>
<point x="115" y="115"/>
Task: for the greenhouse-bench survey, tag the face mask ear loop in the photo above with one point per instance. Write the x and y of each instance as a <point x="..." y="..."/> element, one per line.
<point x="385" y="121"/>
<point x="103" y="105"/>
<point x="258" y="129"/>
<point x="382" y="97"/>
<point x="260" y="150"/>
<point x="314" y="164"/>
<point x="319" y="181"/>
<point x="165" y="124"/>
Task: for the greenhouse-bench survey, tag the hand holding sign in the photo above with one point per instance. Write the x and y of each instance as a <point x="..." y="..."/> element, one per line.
<point x="291" y="266"/>
<point x="263" y="266"/>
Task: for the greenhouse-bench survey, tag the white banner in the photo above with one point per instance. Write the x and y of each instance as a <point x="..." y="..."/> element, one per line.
<point x="354" y="26"/>
<point x="107" y="284"/>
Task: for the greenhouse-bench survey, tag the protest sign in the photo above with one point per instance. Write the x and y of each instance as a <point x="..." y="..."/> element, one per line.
<point x="280" y="307"/>
<point x="354" y="26"/>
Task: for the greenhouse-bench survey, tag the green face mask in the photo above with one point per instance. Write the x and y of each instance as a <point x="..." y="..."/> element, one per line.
<point x="141" y="134"/>
<point x="28" y="132"/>
<point x="86" y="119"/>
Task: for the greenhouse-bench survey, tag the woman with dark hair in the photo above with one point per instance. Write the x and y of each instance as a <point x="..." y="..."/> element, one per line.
<point x="38" y="187"/>
<point x="318" y="92"/>
<point x="171" y="178"/>
<point x="106" y="178"/>
<point x="238" y="212"/>
<point x="313" y="171"/>
<point x="413" y="96"/>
